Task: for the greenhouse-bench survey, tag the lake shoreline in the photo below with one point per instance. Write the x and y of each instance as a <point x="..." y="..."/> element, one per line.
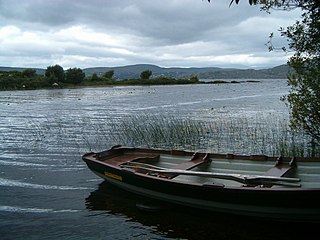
<point x="120" y="83"/>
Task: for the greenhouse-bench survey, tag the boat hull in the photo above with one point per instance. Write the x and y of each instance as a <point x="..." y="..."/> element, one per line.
<point x="288" y="204"/>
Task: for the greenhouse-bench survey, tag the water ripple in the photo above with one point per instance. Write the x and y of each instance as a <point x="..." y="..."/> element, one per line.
<point x="34" y="210"/>
<point x="21" y="164"/>
<point x="51" y="167"/>
<point x="15" y="183"/>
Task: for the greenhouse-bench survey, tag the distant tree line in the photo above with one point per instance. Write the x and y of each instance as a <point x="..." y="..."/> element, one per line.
<point x="27" y="79"/>
<point x="55" y="76"/>
<point x="145" y="79"/>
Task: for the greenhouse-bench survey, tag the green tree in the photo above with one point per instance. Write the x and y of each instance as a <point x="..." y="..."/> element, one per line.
<point x="146" y="74"/>
<point x="29" y="73"/>
<point x="55" y="74"/>
<point x="194" y="78"/>
<point x="94" y="77"/>
<point x="109" y="74"/>
<point x="304" y="79"/>
<point x="74" y="75"/>
<point x="304" y="96"/>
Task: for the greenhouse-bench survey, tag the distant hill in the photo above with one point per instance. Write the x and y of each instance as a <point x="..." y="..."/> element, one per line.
<point x="133" y="71"/>
<point x="279" y="72"/>
<point x="39" y="71"/>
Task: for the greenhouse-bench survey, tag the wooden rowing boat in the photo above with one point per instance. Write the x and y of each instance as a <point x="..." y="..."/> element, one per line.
<point x="273" y="188"/>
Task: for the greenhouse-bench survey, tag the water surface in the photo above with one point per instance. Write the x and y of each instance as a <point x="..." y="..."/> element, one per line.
<point x="47" y="192"/>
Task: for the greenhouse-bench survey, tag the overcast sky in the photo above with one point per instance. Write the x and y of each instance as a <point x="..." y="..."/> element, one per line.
<point x="167" y="33"/>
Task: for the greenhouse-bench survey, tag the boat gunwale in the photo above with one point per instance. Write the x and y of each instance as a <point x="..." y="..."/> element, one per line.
<point x="231" y="156"/>
<point x="91" y="157"/>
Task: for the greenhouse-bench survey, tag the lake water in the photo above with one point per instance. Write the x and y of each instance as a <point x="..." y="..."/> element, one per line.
<point x="47" y="192"/>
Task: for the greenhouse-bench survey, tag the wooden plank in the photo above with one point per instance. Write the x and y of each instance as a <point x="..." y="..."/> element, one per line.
<point x="196" y="161"/>
<point x="281" y="168"/>
<point x="118" y="160"/>
<point x="187" y="165"/>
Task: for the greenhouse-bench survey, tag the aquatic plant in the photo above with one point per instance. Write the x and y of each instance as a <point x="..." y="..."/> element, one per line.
<point x="225" y="135"/>
<point x="267" y="135"/>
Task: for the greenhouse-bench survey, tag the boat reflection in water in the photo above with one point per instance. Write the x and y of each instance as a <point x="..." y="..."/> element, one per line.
<point x="173" y="221"/>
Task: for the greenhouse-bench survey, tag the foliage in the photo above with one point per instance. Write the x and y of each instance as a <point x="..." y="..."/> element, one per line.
<point x="28" y="73"/>
<point x="14" y="80"/>
<point x="55" y="74"/>
<point x="237" y="1"/>
<point x="94" y="77"/>
<point x="156" y="81"/>
<point x="267" y="4"/>
<point x="304" y="96"/>
<point x="146" y="74"/>
<point x="194" y="78"/>
<point x="303" y="38"/>
<point x="109" y="74"/>
<point x="74" y="75"/>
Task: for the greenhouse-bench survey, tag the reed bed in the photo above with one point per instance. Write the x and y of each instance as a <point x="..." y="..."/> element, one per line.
<point x="270" y="136"/>
<point x="267" y="135"/>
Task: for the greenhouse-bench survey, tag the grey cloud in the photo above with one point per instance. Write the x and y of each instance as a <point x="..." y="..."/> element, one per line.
<point x="48" y="13"/>
<point x="173" y="21"/>
<point x="164" y="32"/>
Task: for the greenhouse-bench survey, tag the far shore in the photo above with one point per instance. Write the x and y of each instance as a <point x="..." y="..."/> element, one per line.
<point x="130" y="82"/>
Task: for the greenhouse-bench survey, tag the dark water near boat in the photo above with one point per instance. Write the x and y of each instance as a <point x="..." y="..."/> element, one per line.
<point x="47" y="192"/>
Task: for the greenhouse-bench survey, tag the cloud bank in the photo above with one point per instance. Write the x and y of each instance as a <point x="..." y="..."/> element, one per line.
<point x="181" y="33"/>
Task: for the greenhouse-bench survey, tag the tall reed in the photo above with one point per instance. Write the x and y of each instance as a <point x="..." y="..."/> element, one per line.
<point x="267" y="135"/>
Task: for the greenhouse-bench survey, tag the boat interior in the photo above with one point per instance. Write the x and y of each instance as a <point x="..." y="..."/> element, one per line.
<point x="217" y="169"/>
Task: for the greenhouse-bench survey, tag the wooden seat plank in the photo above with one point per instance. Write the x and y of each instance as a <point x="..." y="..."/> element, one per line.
<point x="281" y="168"/>
<point x="121" y="159"/>
<point x="187" y="165"/>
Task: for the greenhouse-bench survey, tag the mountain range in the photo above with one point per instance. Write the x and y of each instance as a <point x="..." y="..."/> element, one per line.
<point x="133" y="71"/>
